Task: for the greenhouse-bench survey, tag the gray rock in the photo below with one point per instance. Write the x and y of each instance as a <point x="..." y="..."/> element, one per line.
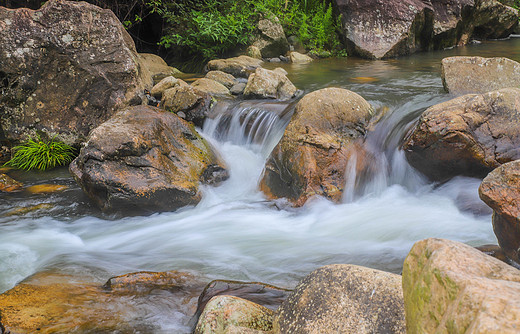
<point x="65" y="69"/>
<point x="238" y="88"/>
<point x="191" y="102"/>
<point x="225" y="79"/>
<point x="463" y="75"/>
<point x="166" y="83"/>
<point x="344" y="298"/>
<point x="271" y="40"/>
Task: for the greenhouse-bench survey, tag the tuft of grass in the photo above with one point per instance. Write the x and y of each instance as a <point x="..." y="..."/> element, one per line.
<point x="41" y="154"/>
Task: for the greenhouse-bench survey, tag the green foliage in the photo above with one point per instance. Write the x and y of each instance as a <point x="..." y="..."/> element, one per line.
<point x="41" y="154"/>
<point x="204" y="30"/>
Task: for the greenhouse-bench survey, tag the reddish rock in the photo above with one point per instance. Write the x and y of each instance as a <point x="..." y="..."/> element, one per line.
<point x="469" y="135"/>
<point x="501" y="191"/>
<point x="7" y="184"/>
<point x="313" y="154"/>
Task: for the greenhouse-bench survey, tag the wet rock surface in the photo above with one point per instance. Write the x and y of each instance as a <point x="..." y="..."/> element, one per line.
<point x="312" y="156"/>
<point x="452" y="287"/>
<point x="469" y="135"/>
<point x="65" y="69"/>
<point x="464" y="75"/>
<point x="8" y="184"/>
<point x="501" y="191"/>
<point x="343" y="298"/>
<point x="144" y="159"/>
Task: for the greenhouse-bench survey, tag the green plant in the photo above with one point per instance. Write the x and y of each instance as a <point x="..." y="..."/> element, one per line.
<point x="41" y="154"/>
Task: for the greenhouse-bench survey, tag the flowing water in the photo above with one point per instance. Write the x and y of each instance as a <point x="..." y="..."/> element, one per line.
<point x="234" y="232"/>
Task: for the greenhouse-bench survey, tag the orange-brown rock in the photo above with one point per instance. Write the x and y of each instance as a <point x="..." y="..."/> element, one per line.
<point x="146" y="281"/>
<point x="145" y="159"/>
<point x="65" y="69"/>
<point x="312" y="156"/>
<point x="46" y="188"/>
<point x="7" y="184"/>
<point x="22" y="210"/>
<point x="501" y="191"/>
<point x="469" y="135"/>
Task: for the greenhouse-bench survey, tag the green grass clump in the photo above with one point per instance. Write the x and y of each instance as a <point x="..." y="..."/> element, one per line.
<point x="41" y="154"/>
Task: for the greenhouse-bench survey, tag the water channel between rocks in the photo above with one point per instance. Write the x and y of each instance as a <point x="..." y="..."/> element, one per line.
<point x="234" y="232"/>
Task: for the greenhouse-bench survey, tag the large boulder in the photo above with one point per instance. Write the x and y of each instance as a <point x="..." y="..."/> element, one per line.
<point x="464" y="75"/>
<point x="450" y="287"/>
<point x="344" y="298"/>
<point x="457" y="21"/>
<point x="241" y="66"/>
<point x="270" y="38"/>
<point x="144" y="159"/>
<point x="469" y="135"/>
<point x="157" y="67"/>
<point x="312" y="156"/>
<point x="377" y="29"/>
<point x="501" y="191"/>
<point x="65" y="69"/>
<point x="229" y="314"/>
<point x="269" y="84"/>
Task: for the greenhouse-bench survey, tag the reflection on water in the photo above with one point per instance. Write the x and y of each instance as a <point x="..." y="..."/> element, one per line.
<point x="234" y="232"/>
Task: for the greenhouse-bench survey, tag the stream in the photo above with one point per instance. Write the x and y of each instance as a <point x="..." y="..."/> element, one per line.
<point x="235" y="232"/>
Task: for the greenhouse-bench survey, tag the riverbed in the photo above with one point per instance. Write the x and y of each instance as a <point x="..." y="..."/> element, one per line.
<point x="235" y="232"/>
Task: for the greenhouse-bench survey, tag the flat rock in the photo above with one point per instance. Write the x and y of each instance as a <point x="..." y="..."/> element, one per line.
<point x="241" y="66"/>
<point x="212" y="87"/>
<point x="450" y="287"/>
<point x="464" y="75"/>
<point x="223" y="78"/>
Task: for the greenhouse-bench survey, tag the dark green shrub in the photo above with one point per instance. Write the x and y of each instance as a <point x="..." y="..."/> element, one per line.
<point x="41" y="154"/>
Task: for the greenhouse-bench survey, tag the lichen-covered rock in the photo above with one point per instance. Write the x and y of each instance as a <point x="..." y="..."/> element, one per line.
<point x="269" y="84"/>
<point x="144" y="160"/>
<point x="211" y="87"/>
<point x="223" y="312"/>
<point x="225" y="79"/>
<point x="450" y="287"/>
<point x="253" y="52"/>
<point x="469" y="135"/>
<point x="313" y="154"/>
<point x="501" y="191"/>
<point x="271" y="40"/>
<point x="241" y="66"/>
<point x="157" y="67"/>
<point x="377" y="29"/>
<point x="166" y="83"/>
<point x="464" y="75"/>
<point x="7" y="184"/>
<point x="298" y="58"/>
<point x="65" y="69"/>
<point x="190" y="103"/>
<point x="343" y="298"/>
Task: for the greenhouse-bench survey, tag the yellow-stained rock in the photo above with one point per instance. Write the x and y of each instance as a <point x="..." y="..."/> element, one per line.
<point x="46" y="188"/>
<point x="7" y="184"/>
<point x="22" y="210"/>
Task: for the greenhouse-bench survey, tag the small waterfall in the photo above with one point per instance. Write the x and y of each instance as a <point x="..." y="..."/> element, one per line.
<point x="257" y="125"/>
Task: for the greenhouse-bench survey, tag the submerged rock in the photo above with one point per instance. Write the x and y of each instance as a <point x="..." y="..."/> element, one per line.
<point x="241" y="66"/>
<point x="450" y="287"/>
<point x="46" y="188"/>
<point x="145" y="160"/>
<point x="312" y="156"/>
<point x="8" y="184"/>
<point x="270" y="84"/>
<point x="65" y="69"/>
<point x="469" y="135"/>
<point x="343" y="298"/>
<point x="463" y="75"/>
<point x="229" y="314"/>
<point x="501" y="191"/>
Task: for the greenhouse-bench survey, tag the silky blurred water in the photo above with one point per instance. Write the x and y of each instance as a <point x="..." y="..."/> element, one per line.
<point x="234" y="232"/>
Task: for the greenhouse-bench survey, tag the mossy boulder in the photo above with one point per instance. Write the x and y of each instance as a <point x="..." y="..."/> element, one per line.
<point x="144" y="160"/>
<point x="450" y="287"/>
